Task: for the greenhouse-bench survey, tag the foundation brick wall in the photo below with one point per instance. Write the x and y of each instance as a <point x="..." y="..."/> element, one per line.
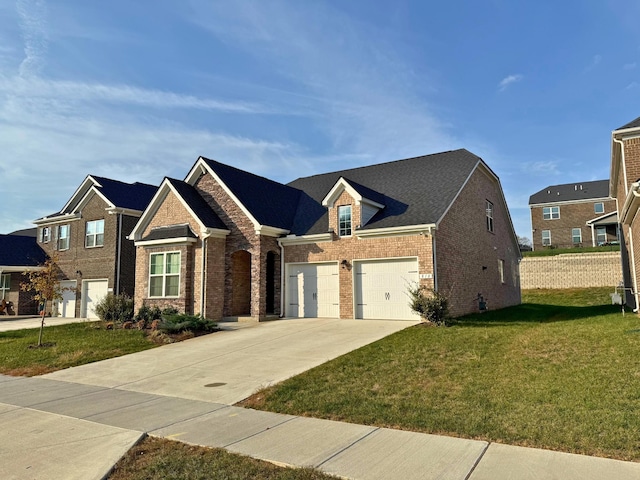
<point x="579" y="270"/>
<point x="572" y="215"/>
<point x="464" y="247"/>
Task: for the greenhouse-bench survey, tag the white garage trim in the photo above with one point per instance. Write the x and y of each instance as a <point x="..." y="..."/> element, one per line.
<point x="312" y="290"/>
<point x="92" y="292"/>
<point x="380" y="288"/>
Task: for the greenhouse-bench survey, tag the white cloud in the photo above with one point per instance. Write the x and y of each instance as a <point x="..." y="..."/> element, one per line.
<point x="629" y="66"/>
<point x="595" y="61"/>
<point x="32" y="14"/>
<point x="632" y="85"/>
<point x="542" y="167"/>
<point x="506" y="81"/>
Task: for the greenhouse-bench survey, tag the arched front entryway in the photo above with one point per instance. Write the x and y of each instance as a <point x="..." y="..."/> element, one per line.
<point x="271" y="283"/>
<point x="241" y="283"/>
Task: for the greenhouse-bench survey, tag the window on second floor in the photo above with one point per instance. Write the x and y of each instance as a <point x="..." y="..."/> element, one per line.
<point x="5" y="285"/>
<point x="550" y="213"/>
<point x="94" y="236"/>
<point x="344" y="220"/>
<point x="63" y="237"/>
<point x="546" y="237"/>
<point x="598" y="207"/>
<point x="576" y="235"/>
<point x="489" y="213"/>
<point x="45" y="234"/>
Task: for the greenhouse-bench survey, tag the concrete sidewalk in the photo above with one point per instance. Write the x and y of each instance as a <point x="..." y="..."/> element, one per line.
<point x="55" y="429"/>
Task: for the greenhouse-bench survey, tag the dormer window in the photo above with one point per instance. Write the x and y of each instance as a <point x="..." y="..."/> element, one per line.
<point x="344" y="220"/>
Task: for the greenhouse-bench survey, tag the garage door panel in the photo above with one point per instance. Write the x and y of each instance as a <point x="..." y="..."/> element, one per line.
<point x="381" y="288"/>
<point x="313" y="290"/>
<point x="66" y="307"/>
<point x="93" y="292"/>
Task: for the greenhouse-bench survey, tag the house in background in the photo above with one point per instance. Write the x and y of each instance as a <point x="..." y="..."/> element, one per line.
<point x="348" y="244"/>
<point x="88" y="236"/>
<point x="625" y="187"/>
<point x="573" y="215"/>
<point x="18" y="254"/>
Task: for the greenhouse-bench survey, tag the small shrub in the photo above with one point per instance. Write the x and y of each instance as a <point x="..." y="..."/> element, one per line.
<point x="149" y="314"/>
<point x="170" y="311"/>
<point x="432" y="306"/>
<point x="183" y="322"/>
<point x="115" y="308"/>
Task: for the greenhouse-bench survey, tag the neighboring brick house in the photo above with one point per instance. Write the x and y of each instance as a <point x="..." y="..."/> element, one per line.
<point x="573" y="215"/>
<point x="625" y="187"/>
<point x="18" y="254"/>
<point x="347" y="244"/>
<point x="89" y="239"/>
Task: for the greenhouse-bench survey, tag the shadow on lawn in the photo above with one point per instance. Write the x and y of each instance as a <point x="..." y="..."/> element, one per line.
<point x="534" y="313"/>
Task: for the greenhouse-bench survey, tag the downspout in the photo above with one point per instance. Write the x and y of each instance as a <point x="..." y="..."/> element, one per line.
<point x="435" y="261"/>
<point x="633" y="267"/>
<point x="281" y="279"/>
<point x="119" y="253"/>
<point x="203" y="265"/>
<point x="624" y="165"/>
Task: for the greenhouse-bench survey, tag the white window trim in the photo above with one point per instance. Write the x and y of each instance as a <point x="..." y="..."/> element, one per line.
<point x="45" y="235"/>
<point x="595" y="207"/>
<point x="551" y="213"/>
<point x="598" y="242"/>
<point x="501" y="270"/>
<point x="164" y="274"/>
<point x="489" y="215"/>
<point x="543" y="239"/>
<point x="579" y="234"/>
<point x="4" y="288"/>
<point x="350" y="228"/>
<point x="94" y="235"/>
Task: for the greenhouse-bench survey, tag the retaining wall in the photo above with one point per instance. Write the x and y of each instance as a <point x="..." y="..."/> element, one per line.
<point x="571" y="270"/>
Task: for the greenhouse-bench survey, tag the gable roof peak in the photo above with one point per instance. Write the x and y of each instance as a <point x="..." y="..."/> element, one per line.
<point x="632" y="124"/>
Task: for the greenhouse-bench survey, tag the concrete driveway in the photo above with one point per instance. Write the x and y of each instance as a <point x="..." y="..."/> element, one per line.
<point x="230" y="365"/>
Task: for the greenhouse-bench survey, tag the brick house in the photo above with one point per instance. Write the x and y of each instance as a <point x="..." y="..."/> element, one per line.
<point x="625" y="187"/>
<point x="89" y="239"/>
<point x="19" y="253"/>
<point x="573" y="215"/>
<point x="346" y="244"/>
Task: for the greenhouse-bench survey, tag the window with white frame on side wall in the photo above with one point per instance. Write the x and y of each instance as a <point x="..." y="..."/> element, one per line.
<point x="45" y="234"/>
<point x="164" y="274"/>
<point x="5" y="285"/>
<point x="576" y="235"/>
<point x="94" y="234"/>
<point x="550" y="213"/>
<point x="601" y="235"/>
<point x="598" y="207"/>
<point x="63" y="237"/>
<point x="344" y="220"/>
<point x="546" y="237"/>
<point x="489" y="215"/>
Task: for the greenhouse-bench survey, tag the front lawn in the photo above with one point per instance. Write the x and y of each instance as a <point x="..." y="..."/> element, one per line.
<point x="74" y="344"/>
<point x="561" y="371"/>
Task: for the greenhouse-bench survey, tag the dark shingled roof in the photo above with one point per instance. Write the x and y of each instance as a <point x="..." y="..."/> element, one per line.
<point x="415" y="191"/>
<point x="175" y="231"/>
<point x="272" y="204"/>
<point x="633" y="124"/>
<point x="366" y="192"/>
<point x="198" y="204"/>
<point x="27" y="232"/>
<point x="134" y="196"/>
<point x="20" y="251"/>
<point x="571" y="191"/>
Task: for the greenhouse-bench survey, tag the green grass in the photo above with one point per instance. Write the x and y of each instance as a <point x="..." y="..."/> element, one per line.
<point x="561" y="371"/>
<point x="158" y="459"/>
<point x="548" y="252"/>
<point x="74" y="344"/>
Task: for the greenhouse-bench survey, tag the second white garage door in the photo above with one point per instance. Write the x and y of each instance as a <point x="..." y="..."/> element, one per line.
<point x="313" y="290"/>
<point x="92" y="292"/>
<point x="381" y="288"/>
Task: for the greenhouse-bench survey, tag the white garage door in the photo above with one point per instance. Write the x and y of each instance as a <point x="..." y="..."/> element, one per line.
<point x="67" y="306"/>
<point x="92" y="292"/>
<point x="313" y="290"/>
<point x="381" y="288"/>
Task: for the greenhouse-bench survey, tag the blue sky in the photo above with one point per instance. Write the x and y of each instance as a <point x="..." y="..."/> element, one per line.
<point x="136" y="91"/>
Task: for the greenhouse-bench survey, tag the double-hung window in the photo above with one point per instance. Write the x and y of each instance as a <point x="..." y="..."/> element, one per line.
<point x="45" y="234"/>
<point x="576" y="235"/>
<point x="94" y="236"/>
<point x="5" y="285"/>
<point x="551" y="213"/>
<point x="344" y="220"/>
<point x="63" y="237"/>
<point x="489" y="213"/>
<point x="546" y="237"/>
<point x="164" y="274"/>
<point x="601" y="235"/>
